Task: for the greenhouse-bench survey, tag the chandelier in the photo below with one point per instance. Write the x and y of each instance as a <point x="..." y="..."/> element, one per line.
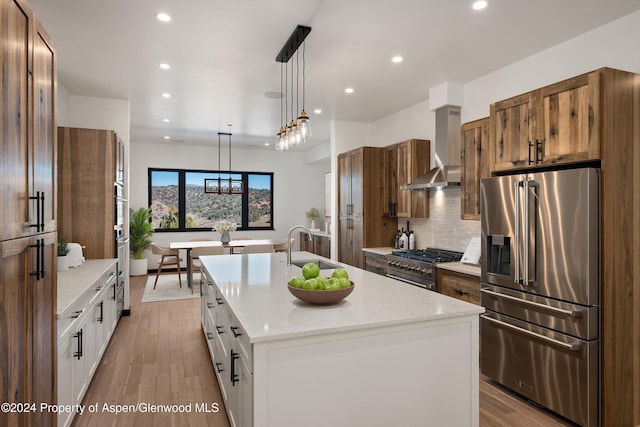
<point x="298" y="129"/>
<point x="221" y="185"/>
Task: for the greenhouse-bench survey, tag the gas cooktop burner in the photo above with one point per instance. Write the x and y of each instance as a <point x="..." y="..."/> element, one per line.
<point x="431" y="255"/>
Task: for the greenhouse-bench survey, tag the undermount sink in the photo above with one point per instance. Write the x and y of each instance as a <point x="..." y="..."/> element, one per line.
<point x="321" y="263"/>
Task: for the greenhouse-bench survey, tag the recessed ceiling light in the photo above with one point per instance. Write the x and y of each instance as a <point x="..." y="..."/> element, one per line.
<point x="349" y="90"/>
<point x="166" y="120"/>
<point x="164" y="17"/>
<point x="165" y="66"/>
<point x="266" y="143"/>
<point x="166" y="95"/>
<point x="480" y="4"/>
<point x="317" y="111"/>
<point x="396" y="59"/>
<point x="167" y="137"/>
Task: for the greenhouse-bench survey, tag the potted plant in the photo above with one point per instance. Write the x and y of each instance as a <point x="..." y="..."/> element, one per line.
<point x="140" y="231"/>
<point x="63" y="250"/>
<point x="313" y="214"/>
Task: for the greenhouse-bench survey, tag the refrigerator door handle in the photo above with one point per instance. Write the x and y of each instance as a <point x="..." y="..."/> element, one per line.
<point x="516" y="232"/>
<point x="571" y="313"/>
<point x="569" y="346"/>
<point x="525" y="262"/>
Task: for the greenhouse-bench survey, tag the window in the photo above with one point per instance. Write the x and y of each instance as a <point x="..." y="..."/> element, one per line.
<point x="188" y="200"/>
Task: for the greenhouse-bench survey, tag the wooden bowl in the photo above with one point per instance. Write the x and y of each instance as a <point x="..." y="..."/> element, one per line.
<point x="321" y="297"/>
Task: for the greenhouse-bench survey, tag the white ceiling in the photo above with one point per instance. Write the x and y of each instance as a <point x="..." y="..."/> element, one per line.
<point x="222" y="55"/>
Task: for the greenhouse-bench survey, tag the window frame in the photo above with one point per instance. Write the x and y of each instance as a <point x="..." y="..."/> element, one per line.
<point x="182" y="220"/>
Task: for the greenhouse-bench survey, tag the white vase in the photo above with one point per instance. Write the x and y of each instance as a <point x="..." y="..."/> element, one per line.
<point x="225" y="237"/>
<point x="137" y="267"/>
<point x="63" y="263"/>
<point x="313" y="224"/>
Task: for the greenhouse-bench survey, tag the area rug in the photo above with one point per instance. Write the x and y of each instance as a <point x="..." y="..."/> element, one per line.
<point x="168" y="288"/>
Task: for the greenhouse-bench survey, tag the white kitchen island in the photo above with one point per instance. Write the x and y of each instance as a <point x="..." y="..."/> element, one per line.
<point x="388" y="354"/>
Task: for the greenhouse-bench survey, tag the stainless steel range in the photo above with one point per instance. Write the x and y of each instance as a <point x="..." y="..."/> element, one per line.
<point x="417" y="266"/>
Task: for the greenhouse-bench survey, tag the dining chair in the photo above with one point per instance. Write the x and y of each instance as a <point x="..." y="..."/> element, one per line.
<point x="168" y="257"/>
<point x="196" y="253"/>
<point x="257" y="249"/>
<point x="281" y="246"/>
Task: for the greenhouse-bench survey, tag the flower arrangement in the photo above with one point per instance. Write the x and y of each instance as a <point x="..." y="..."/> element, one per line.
<point x="313" y="213"/>
<point x="224" y="226"/>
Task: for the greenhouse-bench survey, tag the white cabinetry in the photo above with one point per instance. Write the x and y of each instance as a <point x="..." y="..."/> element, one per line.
<point x="230" y="352"/>
<point x="86" y="320"/>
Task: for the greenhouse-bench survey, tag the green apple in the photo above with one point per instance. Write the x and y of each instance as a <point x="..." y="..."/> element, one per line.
<point x="297" y="281"/>
<point x="344" y="282"/>
<point x="332" y="284"/>
<point x="340" y="273"/>
<point x="312" y="284"/>
<point x="323" y="281"/>
<point x="310" y="270"/>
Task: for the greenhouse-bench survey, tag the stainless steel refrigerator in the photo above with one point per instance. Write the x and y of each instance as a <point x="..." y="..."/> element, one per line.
<point x="541" y="288"/>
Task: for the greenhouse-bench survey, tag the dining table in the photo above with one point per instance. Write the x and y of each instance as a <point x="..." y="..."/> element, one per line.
<point x="188" y="245"/>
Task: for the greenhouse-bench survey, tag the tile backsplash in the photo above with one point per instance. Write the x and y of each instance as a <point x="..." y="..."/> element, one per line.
<point x="443" y="229"/>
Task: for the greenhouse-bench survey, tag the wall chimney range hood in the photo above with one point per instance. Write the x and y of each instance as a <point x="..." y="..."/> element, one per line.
<point x="447" y="153"/>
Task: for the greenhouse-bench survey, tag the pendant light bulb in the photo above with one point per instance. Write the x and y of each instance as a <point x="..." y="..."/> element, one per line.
<point x="303" y="126"/>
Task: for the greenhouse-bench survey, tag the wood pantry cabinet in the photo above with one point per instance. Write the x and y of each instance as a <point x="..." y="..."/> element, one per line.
<point x="402" y="163"/>
<point x="360" y="220"/>
<point x="27" y="215"/>
<point x="559" y="123"/>
<point x="89" y="169"/>
<point x="474" y="158"/>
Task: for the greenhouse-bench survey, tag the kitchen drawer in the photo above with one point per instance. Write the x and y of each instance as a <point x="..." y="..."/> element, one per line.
<point x="240" y="339"/>
<point x="458" y="285"/>
<point x="375" y="263"/>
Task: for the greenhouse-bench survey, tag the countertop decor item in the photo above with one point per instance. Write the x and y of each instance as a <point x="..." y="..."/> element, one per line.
<point x="313" y="214"/>
<point x="63" y="250"/>
<point x="320" y="297"/>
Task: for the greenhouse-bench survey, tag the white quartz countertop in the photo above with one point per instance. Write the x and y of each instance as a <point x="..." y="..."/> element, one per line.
<point x="255" y="287"/>
<point x="74" y="282"/>
<point x="379" y="251"/>
<point x="318" y="232"/>
<point x="459" y="267"/>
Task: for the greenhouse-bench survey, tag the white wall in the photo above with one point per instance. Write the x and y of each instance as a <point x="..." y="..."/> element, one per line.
<point x="298" y="185"/>
<point x="613" y="45"/>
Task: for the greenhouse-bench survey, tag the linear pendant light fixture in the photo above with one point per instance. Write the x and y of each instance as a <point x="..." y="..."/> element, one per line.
<point x="298" y="130"/>
<point x="223" y="185"/>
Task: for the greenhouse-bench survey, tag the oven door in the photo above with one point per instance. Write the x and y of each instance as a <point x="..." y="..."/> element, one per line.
<point x="555" y="370"/>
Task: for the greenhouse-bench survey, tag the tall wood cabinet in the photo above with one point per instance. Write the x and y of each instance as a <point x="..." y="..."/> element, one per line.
<point x="89" y="182"/>
<point x="402" y="163"/>
<point x="360" y="220"/>
<point x="474" y="159"/>
<point x="27" y="215"/>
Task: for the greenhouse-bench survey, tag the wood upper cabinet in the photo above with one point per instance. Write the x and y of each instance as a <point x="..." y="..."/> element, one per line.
<point x="402" y="163"/>
<point x="512" y="130"/>
<point x="474" y="157"/>
<point x="555" y="124"/>
<point x="360" y="220"/>
<point x="27" y="126"/>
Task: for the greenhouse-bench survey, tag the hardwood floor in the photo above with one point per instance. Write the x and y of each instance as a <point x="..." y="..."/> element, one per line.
<point x="158" y="356"/>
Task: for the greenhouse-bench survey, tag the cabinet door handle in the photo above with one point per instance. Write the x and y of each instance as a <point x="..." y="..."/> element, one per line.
<point x="218" y="367"/>
<point x="538" y="151"/>
<point x="210" y="305"/>
<point x="39" y="198"/>
<point x="234" y="329"/>
<point x="529" y="161"/>
<point x="99" y="288"/>
<point x="209" y="336"/>
<point x="76" y="314"/>
<point x="220" y="301"/>
<point x="460" y="292"/>
<point x="220" y="330"/>
<point x="78" y="354"/>
<point x="234" y="377"/>
<point x="113" y="298"/>
<point x="101" y="317"/>
<point x="39" y="259"/>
